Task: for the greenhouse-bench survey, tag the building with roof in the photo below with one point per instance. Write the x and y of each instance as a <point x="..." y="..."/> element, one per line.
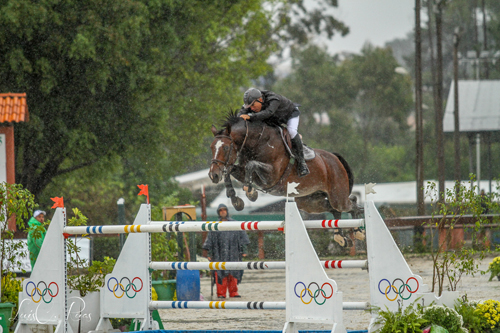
<point x="479" y="117"/>
<point x="13" y="108"/>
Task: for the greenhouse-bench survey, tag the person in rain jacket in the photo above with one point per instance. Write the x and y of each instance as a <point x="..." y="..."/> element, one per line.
<point x="226" y="246"/>
<point x="36" y="235"/>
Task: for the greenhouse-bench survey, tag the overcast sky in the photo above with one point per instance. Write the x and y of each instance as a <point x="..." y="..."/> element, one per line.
<point x="376" y="21"/>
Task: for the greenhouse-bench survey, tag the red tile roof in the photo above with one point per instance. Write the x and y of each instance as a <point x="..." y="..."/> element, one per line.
<point x="13" y="108"/>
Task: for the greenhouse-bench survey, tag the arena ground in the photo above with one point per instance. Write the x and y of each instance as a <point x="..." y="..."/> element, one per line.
<point x="270" y="286"/>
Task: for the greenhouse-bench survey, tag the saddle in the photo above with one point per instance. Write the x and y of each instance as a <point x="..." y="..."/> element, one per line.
<point x="309" y="153"/>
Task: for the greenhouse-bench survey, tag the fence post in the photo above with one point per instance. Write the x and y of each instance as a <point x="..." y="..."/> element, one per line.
<point x="121" y="219"/>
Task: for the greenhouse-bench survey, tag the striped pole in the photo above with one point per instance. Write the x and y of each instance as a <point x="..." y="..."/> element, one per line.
<point x="196" y="226"/>
<point x="250" y="265"/>
<point x="156" y="305"/>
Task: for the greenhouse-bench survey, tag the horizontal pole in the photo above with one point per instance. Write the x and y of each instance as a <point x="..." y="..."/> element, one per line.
<point x="156" y="305"/>
<point x="196" y="226"/>
<point x="249" y="265"/>
<point x="356" y="306"/>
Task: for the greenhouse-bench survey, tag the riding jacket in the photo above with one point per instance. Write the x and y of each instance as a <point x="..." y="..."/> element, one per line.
<point x="276" y="109"/>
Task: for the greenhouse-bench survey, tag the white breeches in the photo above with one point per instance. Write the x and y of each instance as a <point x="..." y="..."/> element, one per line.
<point x="293" y="126"/>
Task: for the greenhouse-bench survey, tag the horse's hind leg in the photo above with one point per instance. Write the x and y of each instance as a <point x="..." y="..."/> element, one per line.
<point x="338" y="235"/>
<point x="318" y="202"/>
<point x="356" y="212"/>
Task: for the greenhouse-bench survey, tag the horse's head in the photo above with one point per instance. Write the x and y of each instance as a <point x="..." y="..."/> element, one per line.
<point x="225" y="147"/>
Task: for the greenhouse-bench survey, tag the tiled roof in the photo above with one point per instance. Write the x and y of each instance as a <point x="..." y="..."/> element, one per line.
<point x="13" y="108"/>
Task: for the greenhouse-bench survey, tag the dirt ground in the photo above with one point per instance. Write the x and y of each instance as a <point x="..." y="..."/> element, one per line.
<point x="270" y="286"/>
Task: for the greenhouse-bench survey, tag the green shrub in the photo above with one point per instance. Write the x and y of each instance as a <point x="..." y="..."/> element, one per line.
<point x="163" y="248"/>
<point x="409" y="320"/>
<point x="471" y="317"/>
<point x="445" y="317"/>
<point x="81" y="276"/>
<point x="10" y="290"/>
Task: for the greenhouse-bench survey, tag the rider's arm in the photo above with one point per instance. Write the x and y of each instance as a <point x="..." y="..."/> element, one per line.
<point x="268" y="112"/>
<point x="242" y="111"/>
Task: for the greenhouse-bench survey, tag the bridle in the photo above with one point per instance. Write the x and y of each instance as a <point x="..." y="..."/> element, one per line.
<point x="226" y="164"/>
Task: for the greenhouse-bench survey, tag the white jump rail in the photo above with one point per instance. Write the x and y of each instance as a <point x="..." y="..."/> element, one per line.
<point x="248" y="265"/>
<point x="156" y="305"/>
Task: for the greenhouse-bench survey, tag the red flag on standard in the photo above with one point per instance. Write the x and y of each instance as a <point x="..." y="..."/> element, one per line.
<point x="58" y="202"/>
<point x="144" y="191"/>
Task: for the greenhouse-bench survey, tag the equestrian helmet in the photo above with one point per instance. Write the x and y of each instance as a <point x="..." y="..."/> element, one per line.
<point x="250" y="96"/>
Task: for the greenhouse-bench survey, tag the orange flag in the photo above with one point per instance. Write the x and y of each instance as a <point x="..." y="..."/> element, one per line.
<point x="58" y="202"/>
<point x="144" y="191"/>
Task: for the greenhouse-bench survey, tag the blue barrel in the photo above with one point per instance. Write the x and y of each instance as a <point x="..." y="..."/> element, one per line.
<point x="188" y="285"/>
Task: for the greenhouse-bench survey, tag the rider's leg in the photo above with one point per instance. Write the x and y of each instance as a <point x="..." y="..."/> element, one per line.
<point x="297" y="147"/>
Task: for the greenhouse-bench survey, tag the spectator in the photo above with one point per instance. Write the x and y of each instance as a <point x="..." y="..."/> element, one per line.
<point x="36" y="235"/>
<point x="226" y="246"/>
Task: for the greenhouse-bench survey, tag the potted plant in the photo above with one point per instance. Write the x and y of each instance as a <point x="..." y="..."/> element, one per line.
<point x="16" y="205"/>
<point x="164" y="247"/>
<point x="84" y="282"/>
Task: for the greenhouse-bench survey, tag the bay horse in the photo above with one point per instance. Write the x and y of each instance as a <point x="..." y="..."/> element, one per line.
<point x="255" y="154"/>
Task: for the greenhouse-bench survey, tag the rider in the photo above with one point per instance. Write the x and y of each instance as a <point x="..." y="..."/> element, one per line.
<point x="275" y="109"/>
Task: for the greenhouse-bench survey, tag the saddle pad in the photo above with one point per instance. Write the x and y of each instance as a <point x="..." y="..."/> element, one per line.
<point x="309" y="153"/>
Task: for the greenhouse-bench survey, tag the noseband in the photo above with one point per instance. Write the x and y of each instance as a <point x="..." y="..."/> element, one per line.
<point x="228" y="166"/>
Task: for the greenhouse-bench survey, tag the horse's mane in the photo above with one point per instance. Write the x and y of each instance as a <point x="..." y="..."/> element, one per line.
<point x="231" y="119"/>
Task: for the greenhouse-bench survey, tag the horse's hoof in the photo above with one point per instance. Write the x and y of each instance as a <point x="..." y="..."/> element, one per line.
<point x="359" y="234"/>
<point x="238" y="203"/>
<point x="341" y="240"/>
<point x="252" y="195"/>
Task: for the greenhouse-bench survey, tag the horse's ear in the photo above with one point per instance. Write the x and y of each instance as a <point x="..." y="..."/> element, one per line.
<point x="214" y="130"/>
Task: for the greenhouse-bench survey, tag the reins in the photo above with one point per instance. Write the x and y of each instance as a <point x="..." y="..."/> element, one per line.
<point x="229" y="166"/>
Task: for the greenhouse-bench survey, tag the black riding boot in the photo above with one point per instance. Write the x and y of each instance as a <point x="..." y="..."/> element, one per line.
<point x="298" y="151"/>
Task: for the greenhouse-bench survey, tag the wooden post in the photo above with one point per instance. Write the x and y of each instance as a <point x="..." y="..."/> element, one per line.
<point x="204" y="234"/>
<point x="418" y="113"/>
<point x="260" y="235"/>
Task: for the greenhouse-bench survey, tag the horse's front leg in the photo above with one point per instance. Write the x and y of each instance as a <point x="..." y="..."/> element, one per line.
<point x="263" y="172"/>
<point x="238" y="172"/>
<point x="238" y="204"/>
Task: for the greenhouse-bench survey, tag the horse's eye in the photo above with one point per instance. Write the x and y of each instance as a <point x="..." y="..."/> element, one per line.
<point x="225" y="149"/>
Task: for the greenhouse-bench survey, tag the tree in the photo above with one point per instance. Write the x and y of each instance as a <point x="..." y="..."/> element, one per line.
<point x="138" y="79"/>
<point x="366" y="103"/>
<point x="383" y="97"/>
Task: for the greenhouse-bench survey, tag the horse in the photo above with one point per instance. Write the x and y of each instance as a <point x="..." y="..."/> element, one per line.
<point x="255" y="154"/>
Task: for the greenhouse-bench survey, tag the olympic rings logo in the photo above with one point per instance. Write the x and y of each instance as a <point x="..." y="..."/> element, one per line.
<point x="398" y="290"/>
<point x="125" y="289"/>
<point x="42" y="292"/>
<point x="306" y="292"/>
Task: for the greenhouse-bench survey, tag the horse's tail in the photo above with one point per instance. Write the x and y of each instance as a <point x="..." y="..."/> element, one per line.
<point x="347" y="168"/>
